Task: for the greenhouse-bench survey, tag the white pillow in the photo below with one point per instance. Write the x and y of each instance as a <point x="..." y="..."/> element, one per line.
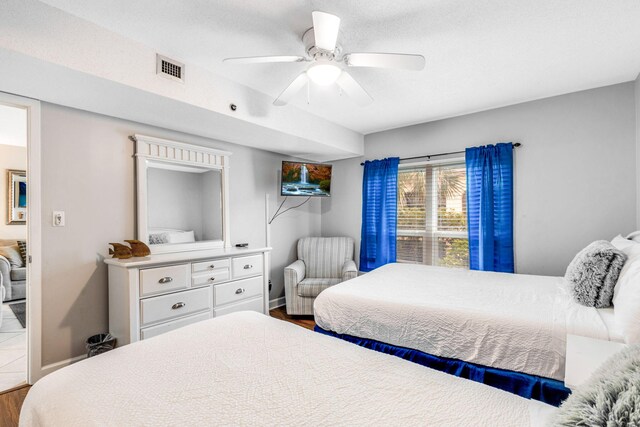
<point x="635" y="236"/>
<point x="153" y="230"/>
<point x="626" y="297"/>
<point x="623" y="244"/>
<point x="181" y="237"/>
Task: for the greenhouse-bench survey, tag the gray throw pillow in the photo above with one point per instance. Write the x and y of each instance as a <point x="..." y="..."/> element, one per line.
<point x="593" y="274"/>
<point x="611" y="397"/>
<point x="158" y="239"/>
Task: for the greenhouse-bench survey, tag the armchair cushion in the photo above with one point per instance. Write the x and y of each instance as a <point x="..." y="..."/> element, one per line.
<point x="324" y="257"/>
<point x="18" y="274"/>
<point x="313" y="287"/>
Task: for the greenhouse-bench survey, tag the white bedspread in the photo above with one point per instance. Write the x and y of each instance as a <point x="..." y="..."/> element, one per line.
<point x="249" y="369"/>
<point x="510" y="321"/>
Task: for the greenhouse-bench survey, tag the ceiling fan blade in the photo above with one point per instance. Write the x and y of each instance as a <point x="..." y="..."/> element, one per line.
<point x="325" y="28"/>
<point x="265" y="59"/>
<point x="385" y="60"/>
<point x="291" y="90"/>
<point x="353" y="89"/>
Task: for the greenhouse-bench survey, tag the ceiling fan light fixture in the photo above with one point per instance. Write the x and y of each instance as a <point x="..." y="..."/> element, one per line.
<point x="324" y="74"/>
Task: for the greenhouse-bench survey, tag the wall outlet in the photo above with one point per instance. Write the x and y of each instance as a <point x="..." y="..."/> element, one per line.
<point x="58" y="218"/>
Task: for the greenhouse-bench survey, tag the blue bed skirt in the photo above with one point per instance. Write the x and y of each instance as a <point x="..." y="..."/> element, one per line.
<point x="552" y="392"/>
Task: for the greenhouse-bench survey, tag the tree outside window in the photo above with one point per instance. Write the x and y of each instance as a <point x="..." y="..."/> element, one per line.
<point x="432" y="215"/>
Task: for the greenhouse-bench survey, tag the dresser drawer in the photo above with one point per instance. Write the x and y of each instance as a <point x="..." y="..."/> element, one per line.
<point x="164" y="279"/>
<point x="166" y="307"/>
<point x="246" y="266"/>
<point x="210" y="278"/>
<point x="237" y="291"/>
<point x="255" y="304"/>
<point x="212" y="264"/>
<point x="175" y="324"/>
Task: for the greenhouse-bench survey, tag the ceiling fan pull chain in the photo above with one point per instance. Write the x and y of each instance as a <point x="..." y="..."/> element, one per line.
<point x="308" y="93"/>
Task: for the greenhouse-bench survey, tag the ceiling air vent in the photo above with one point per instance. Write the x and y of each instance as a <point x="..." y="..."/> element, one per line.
<point x="169" y="68"/>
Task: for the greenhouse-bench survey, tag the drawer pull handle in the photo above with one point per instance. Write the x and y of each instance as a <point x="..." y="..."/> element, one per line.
<point x="240" y="291"/>
<point x="248" y="266"/>
<point x="212" y="266"/>
<point x="166" y="280"/>
<point x="212" y="279"/>
<point x="177" y="305"/>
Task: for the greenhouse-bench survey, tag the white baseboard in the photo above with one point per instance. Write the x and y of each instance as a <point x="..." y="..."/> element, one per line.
<point x="278" y="302"/>
<point x="47" y="369"/>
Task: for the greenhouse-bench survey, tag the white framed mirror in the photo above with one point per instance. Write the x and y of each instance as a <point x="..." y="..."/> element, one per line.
<point x="182" y="195"/>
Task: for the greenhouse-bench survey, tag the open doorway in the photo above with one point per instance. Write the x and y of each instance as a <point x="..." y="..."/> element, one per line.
<point x="20" y="240"/>
<point x="13" y="246"/>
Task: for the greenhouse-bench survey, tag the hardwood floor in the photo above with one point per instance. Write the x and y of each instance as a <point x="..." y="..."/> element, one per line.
<point x="11" y="400"/>
<point x="10" y="404"/>
<point x="304" y="321"/>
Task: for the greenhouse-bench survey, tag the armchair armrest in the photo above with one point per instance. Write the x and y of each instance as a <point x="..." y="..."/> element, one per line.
<point x="349" y="270"/>
<point x="294" y="273"/>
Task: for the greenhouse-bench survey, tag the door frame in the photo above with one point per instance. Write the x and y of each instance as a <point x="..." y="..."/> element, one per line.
<point x="34" y="233"/>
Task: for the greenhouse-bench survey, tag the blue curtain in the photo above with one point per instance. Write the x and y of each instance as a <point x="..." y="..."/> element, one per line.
<point x="379" y="213"/>
<point x="490" y="207"/>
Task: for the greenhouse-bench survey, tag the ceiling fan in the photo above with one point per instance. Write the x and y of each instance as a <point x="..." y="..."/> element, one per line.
<point x="325" y="57"/>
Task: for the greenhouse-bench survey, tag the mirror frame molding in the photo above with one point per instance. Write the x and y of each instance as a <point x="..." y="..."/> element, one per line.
<point x="149" y="149"/>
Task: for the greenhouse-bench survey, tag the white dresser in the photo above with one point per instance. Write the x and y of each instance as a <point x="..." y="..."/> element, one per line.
<point x="156" y="294"/>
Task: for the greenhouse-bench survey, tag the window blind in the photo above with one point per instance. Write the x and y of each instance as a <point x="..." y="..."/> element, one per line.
<point x="432" y="215"/>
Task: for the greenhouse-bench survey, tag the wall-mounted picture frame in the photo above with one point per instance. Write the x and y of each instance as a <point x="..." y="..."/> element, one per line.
<point x="16" y="197"/>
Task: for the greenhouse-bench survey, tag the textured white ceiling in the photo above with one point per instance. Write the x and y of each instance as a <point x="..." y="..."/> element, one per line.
<point x="480" y="54"/>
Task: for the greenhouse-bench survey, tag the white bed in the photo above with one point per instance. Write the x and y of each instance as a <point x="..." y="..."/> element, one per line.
<point x="509" y="321"/>
<point x="249" y="369"/>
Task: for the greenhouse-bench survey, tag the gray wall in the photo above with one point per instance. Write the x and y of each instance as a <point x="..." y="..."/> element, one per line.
<point x="341" y="213"/>
<point x="88" y="172"/>
<point x="575" y="176"/>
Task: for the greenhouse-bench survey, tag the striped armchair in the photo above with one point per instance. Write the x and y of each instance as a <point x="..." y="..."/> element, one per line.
<point x="322" y="262"/>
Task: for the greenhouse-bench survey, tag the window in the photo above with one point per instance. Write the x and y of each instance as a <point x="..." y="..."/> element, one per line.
<point x="432" y="215"/>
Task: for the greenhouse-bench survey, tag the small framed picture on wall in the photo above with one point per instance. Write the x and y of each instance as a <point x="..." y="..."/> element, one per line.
<point x="16" y="196"/>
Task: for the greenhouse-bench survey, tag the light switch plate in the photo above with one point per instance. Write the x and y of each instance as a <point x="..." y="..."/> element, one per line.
<point x="58" y="218"/>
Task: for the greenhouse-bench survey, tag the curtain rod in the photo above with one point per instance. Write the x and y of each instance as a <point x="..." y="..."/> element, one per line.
<point x="429" y="156"/>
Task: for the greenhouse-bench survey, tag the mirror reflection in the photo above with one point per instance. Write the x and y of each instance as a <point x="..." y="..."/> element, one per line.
<point x="184" y="204"/>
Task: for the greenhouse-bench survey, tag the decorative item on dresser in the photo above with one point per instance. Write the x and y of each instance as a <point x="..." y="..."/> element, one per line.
<point x="120" y="251"/>
<point x="153" y="295"/>
<point x="138" y="248"/>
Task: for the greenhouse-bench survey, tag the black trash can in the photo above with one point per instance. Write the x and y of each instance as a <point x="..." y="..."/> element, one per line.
<point x="98" y="344"/>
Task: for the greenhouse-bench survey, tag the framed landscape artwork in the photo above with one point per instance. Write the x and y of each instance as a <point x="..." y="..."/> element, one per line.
<point x="16" y="196"/>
